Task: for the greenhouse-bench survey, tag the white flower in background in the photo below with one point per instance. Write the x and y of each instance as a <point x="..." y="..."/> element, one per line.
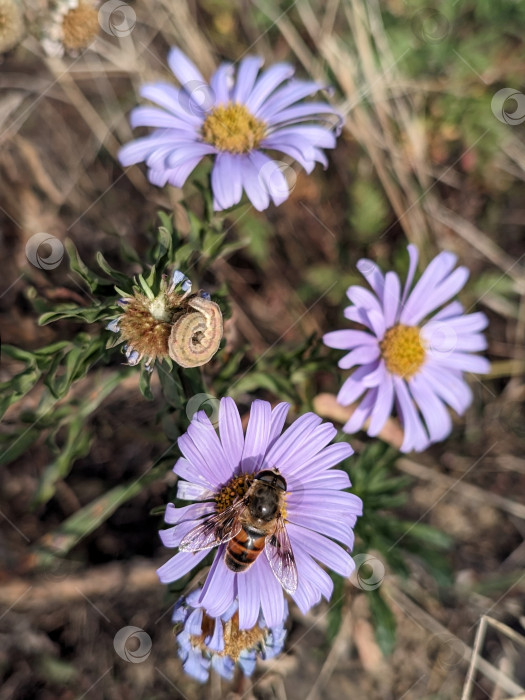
<point x="72" y="26"/>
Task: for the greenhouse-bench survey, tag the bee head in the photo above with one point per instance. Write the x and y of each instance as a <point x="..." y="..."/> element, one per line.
<point x="273" y="478"/>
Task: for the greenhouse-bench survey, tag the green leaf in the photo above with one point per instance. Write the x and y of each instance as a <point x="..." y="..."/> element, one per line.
<point x="383" y="621"/>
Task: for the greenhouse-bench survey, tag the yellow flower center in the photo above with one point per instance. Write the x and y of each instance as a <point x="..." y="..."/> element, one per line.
<point x="233" y="128"/>
<point x="402" y="350"/>
<point x="80" y="26"/>
<point x="234" y="489"/>
<point x="235" y="640"/>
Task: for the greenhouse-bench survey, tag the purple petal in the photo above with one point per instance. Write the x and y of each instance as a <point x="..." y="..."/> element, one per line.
<point x="449" y="386"/>
<point x="436" y="416"/>
<point x="278" y="143"/>
<point x="279" y="414"/>
<point x="383" y="406"/>
<point x="455" y="308"/>
<point x="345" y="340"/>
<point x="271" y="177"/>
<point x="323" y="549"/>
<point x="359" y="356"/>
<point x="440" y="294"/>
<point x="413" y="255"/>
<point x="181" y="154"/>
<point x="169" y="97"/>
<point x="252" y="184"/>
<point x="266" y="84"/>
<point x="305" y="447"/>
<point x="297" y="432"/>
<point x="193" y="492"/>
<point x="218" y="591"/>
<point x="249" y="599"/>
<point x="353" y="386"/>
<point x="222" y="82"/>
<point x="373" y="276"/>
<point x="178" y="176"/>
<point x="271" y="592"/>
<point x="189" y="471"/>
<point x="439" y="268"/>
<point x="391" y="298"/>
<point x="248" y="70"/>
<point x="230" y="428"/>
<point x="257" y="435"/>
<point x="179" y="565"/>
<point x="195" y="510"/>
<point x="361" y="413"/>
<point x="226" y="180"/>
<point x="288" y="95"/>
<point x="309" y="571"/>
<point x="138" y="150"/>
<point x="415" y="437"/>
<point x="317" y="519"/>
<point x="310" y="111"/>
<point x="464" y="362"/>
<point x="183" y="69"/>
<point x="154" y="117"/>
<point x="203" y="434"/>
<point x="362" y="297"/>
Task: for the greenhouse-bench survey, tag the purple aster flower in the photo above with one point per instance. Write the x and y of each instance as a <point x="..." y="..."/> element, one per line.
<point x="233" y="119"/>
<point x="218" y="642"/>
<point x="219" y="472"/>
<point x="407" y="356"/>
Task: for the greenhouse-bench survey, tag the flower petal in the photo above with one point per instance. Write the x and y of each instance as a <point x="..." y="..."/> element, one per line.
<point x="257" y="436"/>
<point x="179" y="565"/>
<point x="230" y="429"/>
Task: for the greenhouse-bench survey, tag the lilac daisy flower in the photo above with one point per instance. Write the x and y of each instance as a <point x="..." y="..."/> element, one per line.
<point x="234" y="120"/>
<point x="218" y="642"/>
<point x="220" y="471"/>
<point x="409" y="355"/>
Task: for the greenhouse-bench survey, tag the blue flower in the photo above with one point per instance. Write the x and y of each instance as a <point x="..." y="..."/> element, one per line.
<point x="217" y="642"/>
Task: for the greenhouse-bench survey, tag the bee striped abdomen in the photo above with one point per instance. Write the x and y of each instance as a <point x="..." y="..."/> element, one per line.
<point x="244" y="548"/>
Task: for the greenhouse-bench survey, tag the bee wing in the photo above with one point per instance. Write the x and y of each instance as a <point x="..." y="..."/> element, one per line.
<point x="216" y="529"/>
<point x="280" y="556"/>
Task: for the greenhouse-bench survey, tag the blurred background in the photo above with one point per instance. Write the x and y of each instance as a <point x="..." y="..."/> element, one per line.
<point x="433" y="153"/>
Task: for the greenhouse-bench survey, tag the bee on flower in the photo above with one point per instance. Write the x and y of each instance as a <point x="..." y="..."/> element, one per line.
<point x="174" y="323"/>
<point x="269" y="504"/>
